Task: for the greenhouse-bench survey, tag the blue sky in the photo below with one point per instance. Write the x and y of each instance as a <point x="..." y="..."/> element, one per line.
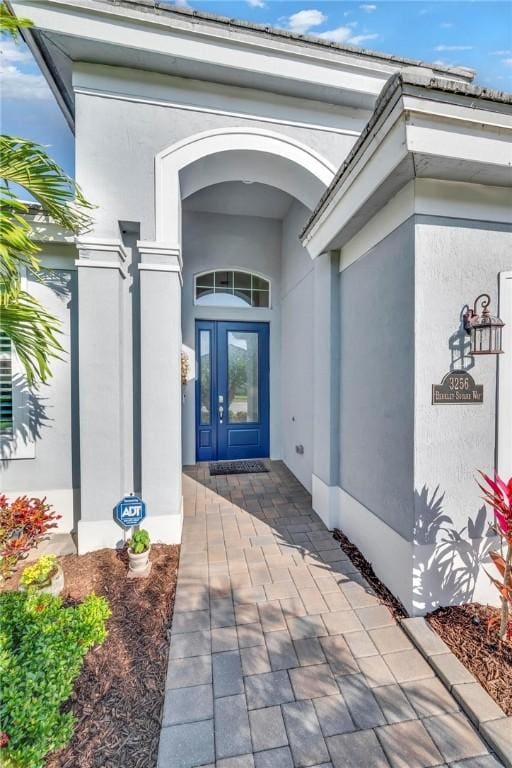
<point x="472" y="33"/>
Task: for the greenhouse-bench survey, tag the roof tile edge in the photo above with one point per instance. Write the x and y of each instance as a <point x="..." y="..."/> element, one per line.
<point x="158" y="7"/>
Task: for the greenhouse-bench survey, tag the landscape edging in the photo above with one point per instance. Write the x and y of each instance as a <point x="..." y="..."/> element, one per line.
<point x="491" y="721"/>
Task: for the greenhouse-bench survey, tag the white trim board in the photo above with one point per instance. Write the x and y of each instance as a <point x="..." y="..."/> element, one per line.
<point x="221" y="142"/>
<point x="402" y="146"/>
<point x="429" y="197"/>
<point x="505" y="379"/>
<point x="101" y="244"/>
<point x="205" y="47"/>
<point x="403" y="566"/>
<point x="97" y="534"/>
<point x="166" y="103"/>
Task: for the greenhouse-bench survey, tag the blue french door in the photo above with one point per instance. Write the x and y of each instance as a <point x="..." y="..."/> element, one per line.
<point x="232" y="390"/>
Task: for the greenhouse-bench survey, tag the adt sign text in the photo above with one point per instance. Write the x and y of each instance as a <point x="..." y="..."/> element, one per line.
<point x="130" y="511"/>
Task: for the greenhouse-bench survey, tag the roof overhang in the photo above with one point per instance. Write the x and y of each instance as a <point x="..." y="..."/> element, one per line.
<point x="44" y="228"/>
<point x="421" y="128"/>
<point x="147" y="35"/>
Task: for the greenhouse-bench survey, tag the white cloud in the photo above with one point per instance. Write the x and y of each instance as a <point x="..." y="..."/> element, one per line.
<point x="302" y="21"/>
<point x="18" y="74"/>
<point x="22" y="86"/>
<point x="338" y="35"/>
<point x="446" y="24"/>
<point x="442" y="48"/>
<point x="508" y="62"/>
<point x="182" y="4"/>
<point x="256" y="3"/>
<point x="358" y="39"/>
<point x="11" y="53"/>
<point x="501" y="53"/>
<point x="368" y="8"/>
<point x="345" y="35"/>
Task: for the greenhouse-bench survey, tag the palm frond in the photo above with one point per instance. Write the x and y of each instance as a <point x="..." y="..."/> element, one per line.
<point x="17" y="249"/>
<point x="9" y="24"/>
<point x="33" y="333"/>
<point x="26" y="163"/>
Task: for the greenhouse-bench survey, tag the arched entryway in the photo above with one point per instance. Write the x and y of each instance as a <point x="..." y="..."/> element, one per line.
<point x="233" y="154"/>
<point x="210" y="160"/>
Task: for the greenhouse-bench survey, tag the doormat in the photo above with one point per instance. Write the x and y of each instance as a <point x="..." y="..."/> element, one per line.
<point x="236" y="467"/>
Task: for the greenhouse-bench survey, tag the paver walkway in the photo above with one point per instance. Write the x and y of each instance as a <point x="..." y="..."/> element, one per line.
<point x="281" y="656"/>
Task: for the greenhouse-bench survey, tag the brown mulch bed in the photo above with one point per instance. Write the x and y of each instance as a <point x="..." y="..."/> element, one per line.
<point x="462" y="627"/>
<point x="362" y="564"/>
<point x="118" y="696"/>
<point x="464" y="630"/>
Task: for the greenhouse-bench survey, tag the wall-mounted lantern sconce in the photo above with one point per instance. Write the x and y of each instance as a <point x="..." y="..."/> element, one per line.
<point x="484" y="329"/>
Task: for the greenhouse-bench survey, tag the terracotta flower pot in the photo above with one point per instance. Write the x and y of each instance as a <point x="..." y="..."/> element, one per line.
<point x="138" y="563"/>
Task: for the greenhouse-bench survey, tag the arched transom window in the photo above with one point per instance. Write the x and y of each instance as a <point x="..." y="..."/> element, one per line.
<point x="231" y="288"/>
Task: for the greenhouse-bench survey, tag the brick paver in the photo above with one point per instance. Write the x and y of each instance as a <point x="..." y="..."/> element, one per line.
<point x="281" y="656"/>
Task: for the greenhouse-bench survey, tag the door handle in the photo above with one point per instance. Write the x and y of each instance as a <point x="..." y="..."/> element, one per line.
<point x="221" y="412"/>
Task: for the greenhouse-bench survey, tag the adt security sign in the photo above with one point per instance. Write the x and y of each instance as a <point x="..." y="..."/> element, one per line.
<point x="130" y="511"/>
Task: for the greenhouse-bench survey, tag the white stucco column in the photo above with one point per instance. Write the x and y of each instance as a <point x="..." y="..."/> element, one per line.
<point x="326" y="387"/>
<point x="105" y="447"/>
<point x="160" y="388"/>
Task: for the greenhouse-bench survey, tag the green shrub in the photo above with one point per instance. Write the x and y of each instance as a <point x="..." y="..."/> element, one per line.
<point x="42" y="647"/>
<point x="40" y="573"/>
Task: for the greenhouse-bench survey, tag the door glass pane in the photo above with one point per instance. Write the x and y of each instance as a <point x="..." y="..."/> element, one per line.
<point x="242" y="376"/>
<point x="205" y="373"/>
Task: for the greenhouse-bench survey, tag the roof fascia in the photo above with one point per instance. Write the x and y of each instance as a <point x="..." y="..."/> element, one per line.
<point x="422" y="120"/>
<point x="245" y="33"/>
<point x="364" y="72"/>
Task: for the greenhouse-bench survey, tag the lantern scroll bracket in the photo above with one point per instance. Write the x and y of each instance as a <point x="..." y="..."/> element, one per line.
<point x="484" y="329"/>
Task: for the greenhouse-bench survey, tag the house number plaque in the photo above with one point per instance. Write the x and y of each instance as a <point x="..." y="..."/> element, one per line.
<point x="457" y="387"/>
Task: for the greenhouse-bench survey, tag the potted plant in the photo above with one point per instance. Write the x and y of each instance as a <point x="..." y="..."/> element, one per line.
<point x="45" y="575"/>
<point x="139" y="548"/>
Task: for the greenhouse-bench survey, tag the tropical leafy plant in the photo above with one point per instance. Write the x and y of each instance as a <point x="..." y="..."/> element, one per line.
<point x="139" y="542"/>
<point x="39" y="574"/>
<point x="42" y="647"/>
<point x="32" y="330"/>
<point x="498" y="494"/>
<point x="24" y="523"/>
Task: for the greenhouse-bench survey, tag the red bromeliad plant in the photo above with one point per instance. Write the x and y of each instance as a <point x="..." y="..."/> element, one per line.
<point x="24" y="523"/>
<point x="499" y="495"/>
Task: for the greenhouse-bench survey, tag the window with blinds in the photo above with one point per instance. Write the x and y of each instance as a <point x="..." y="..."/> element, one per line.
<point x="5" y="384"/>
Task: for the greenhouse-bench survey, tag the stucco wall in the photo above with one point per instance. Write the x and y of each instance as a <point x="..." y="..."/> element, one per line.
<point x="455" y="261"/>
<point x="297" y="292"/>
<point x="377" y="379"/>
<point x="214" y="241"/>
<point x="110" y="130"/>
<point x="47" y="430"/>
